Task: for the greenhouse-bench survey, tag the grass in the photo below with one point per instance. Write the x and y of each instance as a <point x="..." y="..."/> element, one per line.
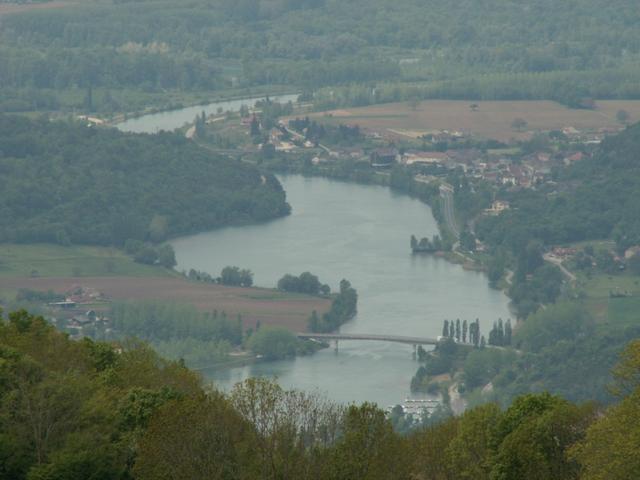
<point x="46" y="260"/>
<point x="620" y="311"/>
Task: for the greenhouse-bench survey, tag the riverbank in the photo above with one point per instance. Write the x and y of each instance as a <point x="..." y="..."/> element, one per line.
<point x="247" y="95"/>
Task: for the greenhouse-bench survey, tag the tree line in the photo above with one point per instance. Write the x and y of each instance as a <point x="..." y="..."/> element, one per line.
<point x="343" y="308"/>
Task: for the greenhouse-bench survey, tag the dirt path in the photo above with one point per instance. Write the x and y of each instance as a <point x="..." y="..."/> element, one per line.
<point x="456" y="402"/>
<point x="558" y="263"/>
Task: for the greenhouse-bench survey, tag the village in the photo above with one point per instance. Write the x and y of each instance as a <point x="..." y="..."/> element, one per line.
<point x="529" y="160"/>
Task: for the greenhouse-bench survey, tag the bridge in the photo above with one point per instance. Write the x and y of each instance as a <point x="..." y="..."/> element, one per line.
<point x="415" y="341"/>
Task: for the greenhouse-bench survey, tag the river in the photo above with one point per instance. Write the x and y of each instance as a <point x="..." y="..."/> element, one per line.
<point x="170" y="120"/>
<point x="361" y="233"/>
<point x="340" y="230"/>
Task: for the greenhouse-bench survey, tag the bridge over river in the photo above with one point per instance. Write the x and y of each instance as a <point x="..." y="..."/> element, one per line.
<point x="415" y="341"/>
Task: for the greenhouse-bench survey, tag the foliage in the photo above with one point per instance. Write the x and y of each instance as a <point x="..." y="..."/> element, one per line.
<point x="599" y="204"/>
<point x="67" y="183"/>
<point x="306" y="282"/>
<point x="235" y="277"/>
<point x="273" y="343"/>
<point x="343" y="308"/>
<point x="92" y="410"/>
<point x="558" y="51"/>
<point x="161" y="322"/>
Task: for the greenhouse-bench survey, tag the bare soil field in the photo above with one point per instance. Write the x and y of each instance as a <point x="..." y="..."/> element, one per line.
<point x="270" y="307"/>
<point x="489" y="120"/>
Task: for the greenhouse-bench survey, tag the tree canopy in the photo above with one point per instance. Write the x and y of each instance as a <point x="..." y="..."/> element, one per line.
<point x="68" y="183"/>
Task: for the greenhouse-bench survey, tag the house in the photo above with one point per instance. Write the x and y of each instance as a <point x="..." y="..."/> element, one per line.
<point x="66" y="304"/>
<point x="498" y="207"/>
<point x="571" y="131"/>
<point x="563" y="252"/>
<point x="576" y="157"/>
<point x="384" y="157"/>
<point x="631" y="252"/>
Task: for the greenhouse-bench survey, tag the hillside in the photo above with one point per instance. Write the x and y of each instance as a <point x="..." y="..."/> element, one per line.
<point x="597" y="199"/>
<point x="491" y="50"/>
<point x="84" y="409"/>
<point x="68" y="183"/>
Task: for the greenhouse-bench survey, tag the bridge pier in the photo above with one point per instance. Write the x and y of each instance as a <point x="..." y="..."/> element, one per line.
<point x="335" y="346"/>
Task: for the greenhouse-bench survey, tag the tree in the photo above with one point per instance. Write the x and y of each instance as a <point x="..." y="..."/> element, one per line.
<point x="445" y="328"/>
<point x="507" y="333"/>
<point x="273" y="343"/>
<point x="533" y="437"/>
<point x="606" y="262"/>
<point x="201" y="438"/>
<point x="254" y="128"/>
<point x="465" y="328"/>
<point x="458" y="331"/>
<point x="469" y="452"/>
<point x="291" y="427"/>
<point x="233" y="276"/>
<point x="634" y="264"/>
<point x="622" y="116"/>
<point x="627" y="371"/>
<point x="467" y="241"/>
<point x="167" y="256"/>
<point x="369" y="449"/>
<point x="610" y="448"/>
<point x="147" y="255"/>
<point x="519" y="124"/>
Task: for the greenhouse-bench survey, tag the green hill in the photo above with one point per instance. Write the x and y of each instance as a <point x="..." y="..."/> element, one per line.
<point x="67" y="183"/>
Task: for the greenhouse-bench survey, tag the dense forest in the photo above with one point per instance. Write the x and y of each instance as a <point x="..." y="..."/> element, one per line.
<point x="84" y="409"/>
<point x="492" y="49"/>
<point x="67" y="183"/>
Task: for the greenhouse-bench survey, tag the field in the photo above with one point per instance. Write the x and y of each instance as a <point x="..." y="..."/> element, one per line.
<point x="118" y="277"/>
<point x="76" y="261"/>
<point x="617" y="310"/>
<point x="270" y="307"/>
<point x="490" y="120"/>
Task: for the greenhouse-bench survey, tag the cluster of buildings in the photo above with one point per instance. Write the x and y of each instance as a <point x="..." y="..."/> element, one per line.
<point x="77" y="315"/>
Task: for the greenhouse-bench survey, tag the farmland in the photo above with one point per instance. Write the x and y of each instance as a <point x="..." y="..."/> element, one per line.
<point x="270" y="307"/>
<point x="118" y="278"/>
<point x="45" y="260"/>
<point x="489" y="120"/>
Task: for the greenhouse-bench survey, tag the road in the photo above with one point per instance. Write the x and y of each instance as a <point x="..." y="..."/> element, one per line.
<point x="446" y="192"/>
<point x="301" y="137"/>
<point x="366" y="336"/>
<point x="558" y="263"/>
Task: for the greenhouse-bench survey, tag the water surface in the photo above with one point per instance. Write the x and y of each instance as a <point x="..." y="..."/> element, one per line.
<point x="361" y="233"/>
<point x="170" y="120"/>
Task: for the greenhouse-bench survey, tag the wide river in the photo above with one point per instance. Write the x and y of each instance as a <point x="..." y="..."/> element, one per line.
<point x="340" y="230"/>
<point x="361" y="233"/>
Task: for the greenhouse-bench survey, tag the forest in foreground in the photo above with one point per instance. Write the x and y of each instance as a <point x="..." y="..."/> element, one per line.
<point x="85" y="409"/>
